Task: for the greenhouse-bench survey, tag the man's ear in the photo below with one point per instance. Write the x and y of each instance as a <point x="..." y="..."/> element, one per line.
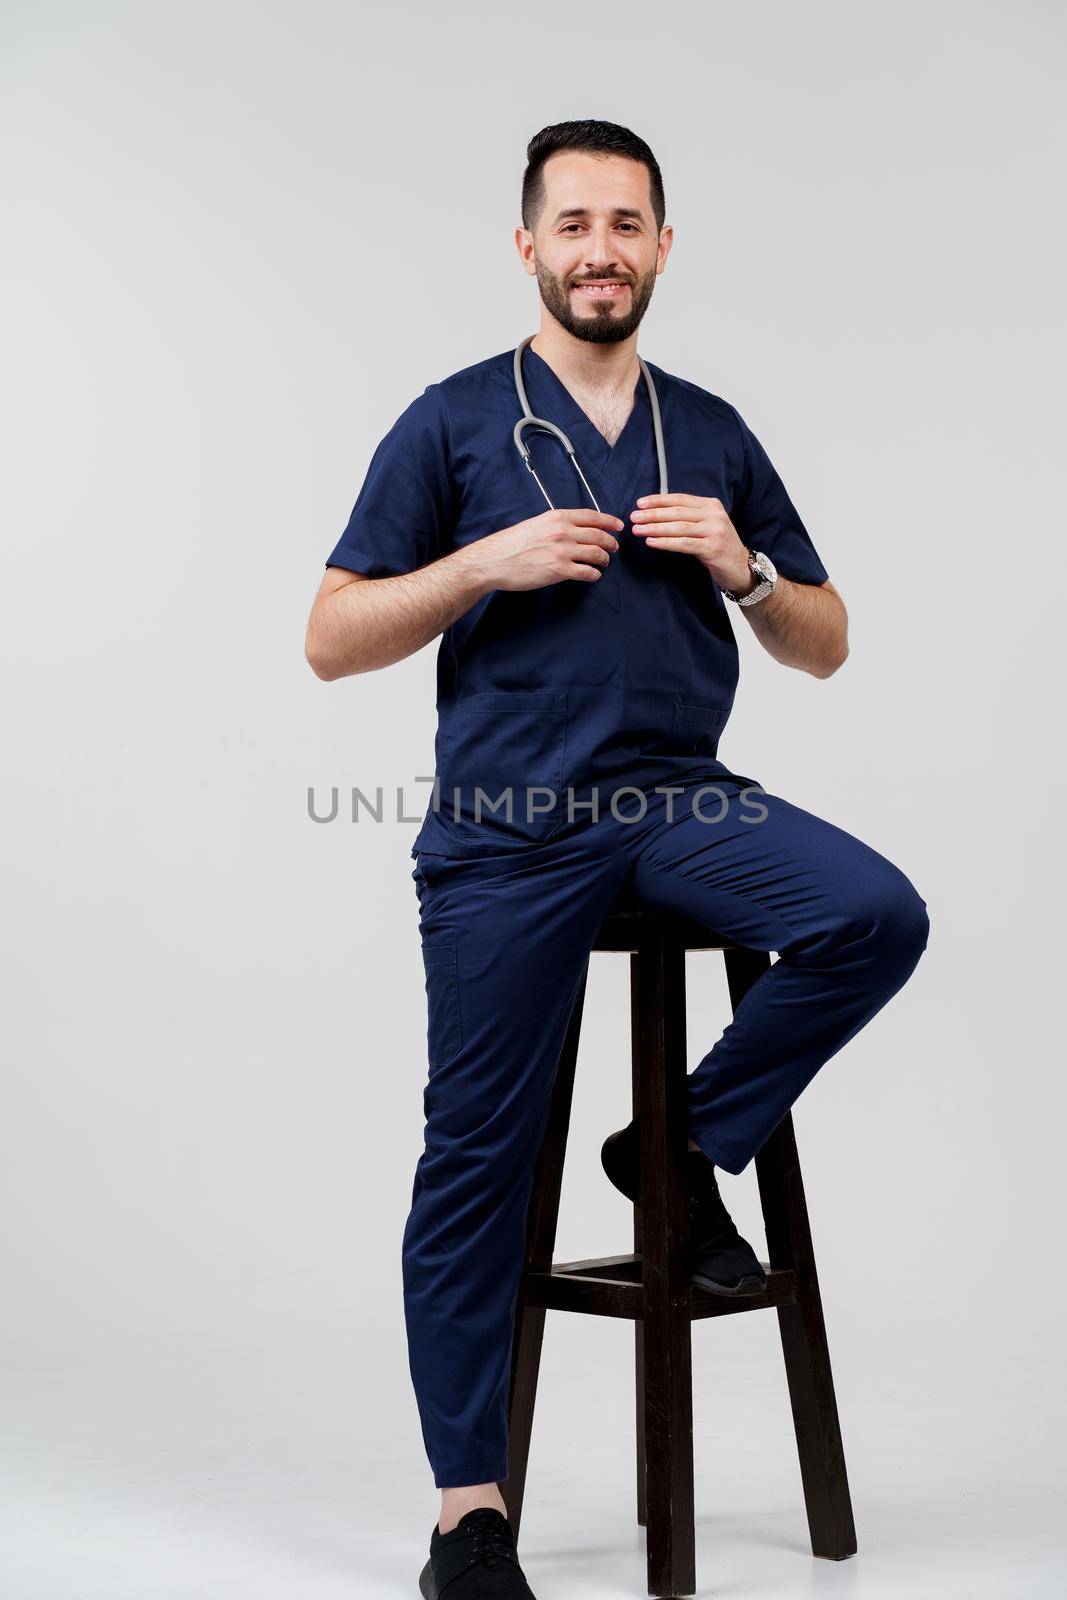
<point x="524" y="243"/>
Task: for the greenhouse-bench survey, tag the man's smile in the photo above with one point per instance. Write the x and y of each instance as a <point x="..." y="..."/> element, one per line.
<point x="601" y="289"/>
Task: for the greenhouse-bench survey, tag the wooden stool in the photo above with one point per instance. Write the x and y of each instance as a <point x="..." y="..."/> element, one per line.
<point x="652" y="1286"/>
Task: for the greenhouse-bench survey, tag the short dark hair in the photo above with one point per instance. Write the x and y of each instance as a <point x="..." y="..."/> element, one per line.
<point x="598" y="138"/>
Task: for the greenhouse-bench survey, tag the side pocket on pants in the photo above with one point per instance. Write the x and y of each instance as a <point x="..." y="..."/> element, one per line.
<point x="444" y="1030"/>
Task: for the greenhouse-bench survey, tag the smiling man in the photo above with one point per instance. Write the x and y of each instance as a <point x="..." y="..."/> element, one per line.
<point x="586" y="672"/>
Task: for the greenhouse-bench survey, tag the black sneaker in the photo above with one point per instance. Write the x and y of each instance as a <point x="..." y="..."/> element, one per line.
<point x="475" y="1560"/>
<point x="720" y="1260"/>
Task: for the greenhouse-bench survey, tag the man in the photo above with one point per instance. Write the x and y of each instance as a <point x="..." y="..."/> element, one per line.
<point x="586" y="671"/>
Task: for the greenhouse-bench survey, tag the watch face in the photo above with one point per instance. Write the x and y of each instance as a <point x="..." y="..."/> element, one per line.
<point x="764" y="566"/>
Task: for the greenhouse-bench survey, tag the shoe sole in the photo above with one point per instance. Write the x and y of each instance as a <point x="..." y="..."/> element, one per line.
<point x="748" y="1286"/>
<point x="427" y="1587"/>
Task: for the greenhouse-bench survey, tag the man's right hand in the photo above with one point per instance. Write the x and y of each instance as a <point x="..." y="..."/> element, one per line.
<point x="543" y="550"/>
<point x="358" y="624"/>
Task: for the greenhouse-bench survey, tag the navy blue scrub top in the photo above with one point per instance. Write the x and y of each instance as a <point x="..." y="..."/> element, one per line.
<point x="629" y="679"/>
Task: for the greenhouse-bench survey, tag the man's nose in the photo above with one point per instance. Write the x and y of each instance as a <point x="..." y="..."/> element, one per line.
<point x="600" y="243"/>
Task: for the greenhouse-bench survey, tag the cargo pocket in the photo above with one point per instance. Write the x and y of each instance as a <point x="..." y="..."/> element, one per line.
<point x="444" y="1031"/>
<point x="696" y="729"/>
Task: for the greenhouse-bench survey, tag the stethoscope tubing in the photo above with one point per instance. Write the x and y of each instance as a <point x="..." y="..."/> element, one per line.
<point x="528" y="420"/>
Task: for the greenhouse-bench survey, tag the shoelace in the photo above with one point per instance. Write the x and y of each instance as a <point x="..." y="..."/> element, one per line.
<point x="709" y="1220"/>
<point x="490" y="1540"/>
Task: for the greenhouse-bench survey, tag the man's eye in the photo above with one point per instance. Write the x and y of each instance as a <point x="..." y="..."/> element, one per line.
<point x="632" y="226"/>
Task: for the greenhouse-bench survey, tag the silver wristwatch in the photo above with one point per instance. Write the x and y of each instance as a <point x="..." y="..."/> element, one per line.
<point x="765" y="570"/>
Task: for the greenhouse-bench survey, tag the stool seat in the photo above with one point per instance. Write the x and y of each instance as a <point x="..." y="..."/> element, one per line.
<point x="628" y="922"/>
<point x="651" y="1286"/>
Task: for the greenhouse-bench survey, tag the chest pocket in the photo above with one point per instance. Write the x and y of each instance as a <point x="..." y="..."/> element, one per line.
<point x="508" y="744"/>
<point x="696" y="729"/>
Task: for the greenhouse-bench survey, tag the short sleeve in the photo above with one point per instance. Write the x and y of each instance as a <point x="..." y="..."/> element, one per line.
<point x="765" y="517"/>
<point x="402" y="516"/>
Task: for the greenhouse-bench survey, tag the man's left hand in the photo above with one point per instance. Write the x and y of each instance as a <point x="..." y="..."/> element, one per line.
<point x="697" y="526"/>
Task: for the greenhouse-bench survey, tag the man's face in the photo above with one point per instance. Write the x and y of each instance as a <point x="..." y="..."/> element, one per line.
<point x="595" y="247"/>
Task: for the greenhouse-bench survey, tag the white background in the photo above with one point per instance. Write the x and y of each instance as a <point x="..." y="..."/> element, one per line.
<point x="239" y="240"/>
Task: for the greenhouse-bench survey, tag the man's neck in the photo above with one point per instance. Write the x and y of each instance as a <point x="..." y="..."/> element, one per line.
<point x="587" y="368"/>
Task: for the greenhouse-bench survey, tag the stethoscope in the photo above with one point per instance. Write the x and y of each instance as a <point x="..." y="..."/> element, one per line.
<point x="528" y="420"/>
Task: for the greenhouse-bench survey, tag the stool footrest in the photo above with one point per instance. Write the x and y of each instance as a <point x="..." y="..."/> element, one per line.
<point x="611" y="1286"/>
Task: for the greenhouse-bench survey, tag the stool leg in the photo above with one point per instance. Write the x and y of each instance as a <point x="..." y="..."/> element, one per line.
<point x="639" y="1328"/>
<point x="540" y="1244"/>
<point x="666" y="1345"/>
<point x="639" y="1391"/>
<point x="803" y="1330"/>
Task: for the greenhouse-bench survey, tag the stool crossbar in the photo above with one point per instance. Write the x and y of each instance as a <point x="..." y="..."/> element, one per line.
<point x="651" y="1285"/>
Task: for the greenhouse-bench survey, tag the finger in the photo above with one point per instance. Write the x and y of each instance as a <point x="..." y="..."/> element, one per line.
<point x="654" y="530"/>
<point x="664" y="513"/>
<point x="596" y="536"/>
<point x="669" y="500"/>
<point x="691" y="547"/>
<point x="587" y="517"/>
<point x="589" y="574"/>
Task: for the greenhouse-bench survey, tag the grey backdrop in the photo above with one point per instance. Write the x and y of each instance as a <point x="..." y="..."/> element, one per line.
<point x="240" y="239"/>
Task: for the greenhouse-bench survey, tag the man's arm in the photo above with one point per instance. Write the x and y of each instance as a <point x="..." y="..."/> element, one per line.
<point x="358" y="624"/>
<point x="801" y="625"/>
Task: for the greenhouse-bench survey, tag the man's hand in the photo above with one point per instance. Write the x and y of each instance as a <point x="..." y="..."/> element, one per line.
<point x="545" y="549"/>
<point x="801" y="624"/>
<point x="696" y="525"/>
<point x="358" y="624"/>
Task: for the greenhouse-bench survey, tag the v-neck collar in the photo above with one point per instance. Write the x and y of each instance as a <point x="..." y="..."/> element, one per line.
<point x="549" y="397"/>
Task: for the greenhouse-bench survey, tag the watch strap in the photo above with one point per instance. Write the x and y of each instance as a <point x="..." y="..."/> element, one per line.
<point x="763" y="587"/>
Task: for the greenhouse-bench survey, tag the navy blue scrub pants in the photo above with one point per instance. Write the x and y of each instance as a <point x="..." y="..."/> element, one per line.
<point x="505" y="942"/>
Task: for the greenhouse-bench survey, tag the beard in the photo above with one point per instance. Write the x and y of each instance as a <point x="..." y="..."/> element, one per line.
<point x="606" y="324"/>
